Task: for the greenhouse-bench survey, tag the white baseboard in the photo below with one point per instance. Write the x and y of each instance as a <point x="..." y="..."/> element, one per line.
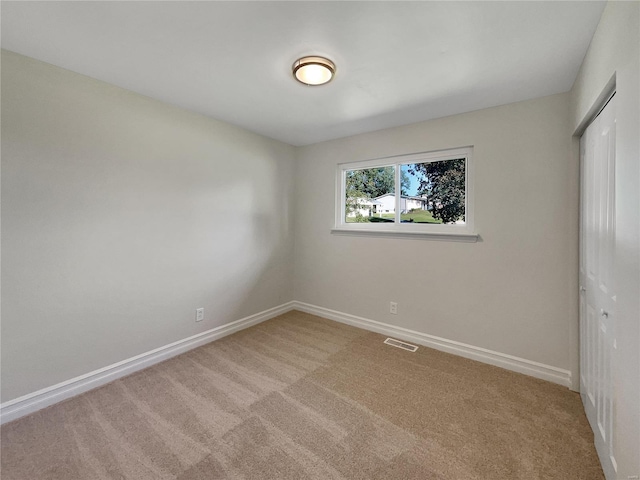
<point x="32" y="402"/>
<point x="509" y="362"/>
<point x="35" y="401"/>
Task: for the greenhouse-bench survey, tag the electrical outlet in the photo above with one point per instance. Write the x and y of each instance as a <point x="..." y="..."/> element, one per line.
<point x="199" y="314"/>
<point x="393" y="308"/>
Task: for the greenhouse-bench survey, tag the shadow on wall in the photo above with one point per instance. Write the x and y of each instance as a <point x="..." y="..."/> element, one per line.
<point x="122" y="215"/>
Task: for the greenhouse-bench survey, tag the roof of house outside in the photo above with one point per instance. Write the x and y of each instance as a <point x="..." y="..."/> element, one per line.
<point x="402" y="196"/>
<point x="369" y="201"/>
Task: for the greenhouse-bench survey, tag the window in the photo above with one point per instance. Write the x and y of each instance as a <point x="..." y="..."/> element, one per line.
<point x="423" y="193"/>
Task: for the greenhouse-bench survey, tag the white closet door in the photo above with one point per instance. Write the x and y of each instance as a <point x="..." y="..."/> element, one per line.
<point x="597" y="291"/>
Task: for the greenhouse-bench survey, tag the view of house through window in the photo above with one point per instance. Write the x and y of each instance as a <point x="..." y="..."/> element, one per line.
<point x="370" y="195"/>
<point x="432" y="192"/>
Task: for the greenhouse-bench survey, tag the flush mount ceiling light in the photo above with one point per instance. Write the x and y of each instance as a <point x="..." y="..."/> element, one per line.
<point x="313" y="70"/>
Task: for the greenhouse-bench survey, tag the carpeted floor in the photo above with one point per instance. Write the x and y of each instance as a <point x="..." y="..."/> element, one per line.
<point x="302" y="397"/>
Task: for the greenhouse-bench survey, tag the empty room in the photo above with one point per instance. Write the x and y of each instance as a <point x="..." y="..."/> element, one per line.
<point x="320" y="240"/>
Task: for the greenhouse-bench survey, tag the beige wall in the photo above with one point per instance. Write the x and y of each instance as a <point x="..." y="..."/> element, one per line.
<point x="515" y="291"/>
<point x="120" y="216"/>
<point x="615" y="51"/>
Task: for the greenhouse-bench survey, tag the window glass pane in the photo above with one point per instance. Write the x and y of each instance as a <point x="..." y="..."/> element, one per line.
<point x="370" y="195"/>
<point x="433" y="192"/>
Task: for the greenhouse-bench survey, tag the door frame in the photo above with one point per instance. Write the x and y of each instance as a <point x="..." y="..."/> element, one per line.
<point x="574" y="334"/>
<point x="599" y="104"/>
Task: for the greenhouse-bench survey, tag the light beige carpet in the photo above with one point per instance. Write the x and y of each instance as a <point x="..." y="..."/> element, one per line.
<point x="301" y="397"/>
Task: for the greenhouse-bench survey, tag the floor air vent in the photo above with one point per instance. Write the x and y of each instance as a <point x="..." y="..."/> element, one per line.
<point x="397" y="343"/>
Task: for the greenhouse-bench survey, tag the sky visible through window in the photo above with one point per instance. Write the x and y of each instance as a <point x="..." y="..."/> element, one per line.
<point x="414" y="181"/>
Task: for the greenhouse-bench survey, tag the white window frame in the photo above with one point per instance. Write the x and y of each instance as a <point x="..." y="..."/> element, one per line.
<point x="454" y="232"/>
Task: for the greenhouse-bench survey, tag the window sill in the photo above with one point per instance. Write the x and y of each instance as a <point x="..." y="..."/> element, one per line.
<point x="444" y="236"/>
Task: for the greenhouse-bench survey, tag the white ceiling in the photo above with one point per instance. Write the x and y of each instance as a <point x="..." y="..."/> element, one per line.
<point x="397" y="62"/>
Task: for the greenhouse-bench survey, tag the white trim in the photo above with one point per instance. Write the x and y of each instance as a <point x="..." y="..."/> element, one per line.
<point x="503" y="360"/>
<point x="451" y="236"/>
<point x="406" y="158"/>
<point x="397" y="161"/>
<point x="35" y="401"/>
<point x="32" y="402"/>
